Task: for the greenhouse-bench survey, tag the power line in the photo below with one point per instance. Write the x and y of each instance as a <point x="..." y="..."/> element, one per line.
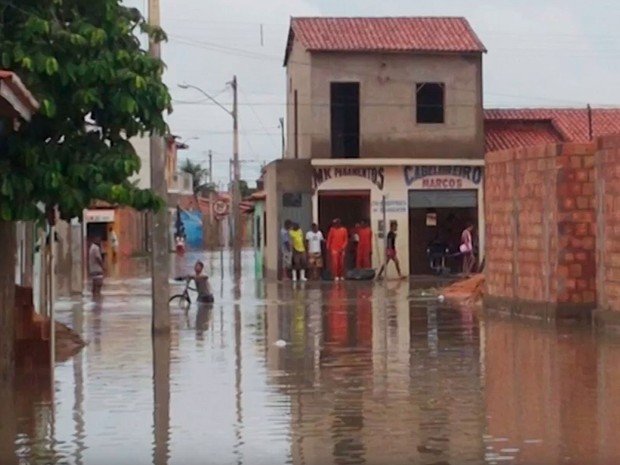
<point x="479" y="31"/>
<point x="341" y="69"/>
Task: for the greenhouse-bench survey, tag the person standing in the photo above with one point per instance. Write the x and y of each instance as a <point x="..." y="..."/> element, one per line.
<point x="285" y="249"/>
<point x="113" y="243"/>
<point x="467" y="249"/>
<point x="354" y="244"/>
<point x="337" y="242"/>
<point x="298" y="245"/>
<point x="390" y="251"/>
<point x="95" y="266"/>
<point x="364" y="247"/>
<point x="314" y="241"/>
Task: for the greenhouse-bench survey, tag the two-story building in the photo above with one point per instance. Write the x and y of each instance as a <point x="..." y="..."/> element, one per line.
<point x="389" y="113"/>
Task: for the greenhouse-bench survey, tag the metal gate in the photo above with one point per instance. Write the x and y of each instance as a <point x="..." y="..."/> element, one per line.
<point x="443" y="199"/>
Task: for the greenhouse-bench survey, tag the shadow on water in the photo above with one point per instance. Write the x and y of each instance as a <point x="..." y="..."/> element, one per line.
<point x="367" y="374"/>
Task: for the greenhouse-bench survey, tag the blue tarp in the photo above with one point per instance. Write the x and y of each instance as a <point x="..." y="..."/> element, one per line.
<point x="192" y="221"/>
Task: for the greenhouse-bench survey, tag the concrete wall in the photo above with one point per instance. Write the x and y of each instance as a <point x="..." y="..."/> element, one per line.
<point x="387" y="103"/>
<point x="298" y="78"/>
<point x="143" y="149"/>
<point x="540" y="233"/>
<point x="282" y="176"/>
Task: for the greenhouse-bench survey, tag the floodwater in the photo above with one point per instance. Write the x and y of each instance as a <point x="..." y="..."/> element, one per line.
<point x="368" y="375"/>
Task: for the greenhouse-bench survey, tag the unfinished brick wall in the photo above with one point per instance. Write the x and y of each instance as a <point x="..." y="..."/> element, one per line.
<point x="539" y="207"/>
<point x="608" y="226"/>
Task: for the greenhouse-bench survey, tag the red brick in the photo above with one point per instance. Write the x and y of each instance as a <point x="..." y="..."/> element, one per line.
<point x="575" y="270"/>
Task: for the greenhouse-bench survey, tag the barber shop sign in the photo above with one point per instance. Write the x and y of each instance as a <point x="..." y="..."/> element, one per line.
<point x="443" y="177"/>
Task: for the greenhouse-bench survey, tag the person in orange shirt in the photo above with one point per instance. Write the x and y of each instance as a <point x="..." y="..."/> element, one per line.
<point x="337" y="241"/>
<point x="364" y="247"/>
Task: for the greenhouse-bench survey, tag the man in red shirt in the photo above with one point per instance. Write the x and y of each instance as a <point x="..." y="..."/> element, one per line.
<point x="364" y="247"/>
<point x="337" y="241"/>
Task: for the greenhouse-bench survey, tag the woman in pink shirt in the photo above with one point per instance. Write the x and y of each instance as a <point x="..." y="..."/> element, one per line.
<point x="467" y="249"/>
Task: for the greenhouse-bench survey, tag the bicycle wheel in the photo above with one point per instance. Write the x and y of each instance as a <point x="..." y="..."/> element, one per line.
<point x="182" y="300"/>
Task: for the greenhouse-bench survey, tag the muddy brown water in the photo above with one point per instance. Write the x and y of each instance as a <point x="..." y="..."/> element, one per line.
<point x="367" y="376"/>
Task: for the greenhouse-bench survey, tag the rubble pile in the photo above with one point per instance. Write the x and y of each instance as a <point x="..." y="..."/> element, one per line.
<point x="467" y="291"/>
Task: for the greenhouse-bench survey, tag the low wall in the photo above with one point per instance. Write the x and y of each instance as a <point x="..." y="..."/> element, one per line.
<point x="607" y="171"/>
<point x="540" y="231"/>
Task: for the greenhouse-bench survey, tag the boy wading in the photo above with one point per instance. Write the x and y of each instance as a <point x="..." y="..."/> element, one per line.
<point x="299" y="252"/>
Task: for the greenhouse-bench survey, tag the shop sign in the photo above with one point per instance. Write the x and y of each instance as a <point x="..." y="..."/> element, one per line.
<point x="391" y="206"/>
<point x="443" y="177"/>
<point x="373" y="174"/>
<point x="99" y="216"/>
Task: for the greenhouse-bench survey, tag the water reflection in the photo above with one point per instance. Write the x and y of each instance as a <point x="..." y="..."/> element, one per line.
<point x="366" y="376"/>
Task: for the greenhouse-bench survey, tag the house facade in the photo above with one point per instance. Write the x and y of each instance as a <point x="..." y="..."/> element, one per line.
<point x="388" y="113"/>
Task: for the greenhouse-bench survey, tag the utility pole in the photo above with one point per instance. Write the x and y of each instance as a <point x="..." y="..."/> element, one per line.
<point x="160" y="322"/>
<point x="236" y="194"/>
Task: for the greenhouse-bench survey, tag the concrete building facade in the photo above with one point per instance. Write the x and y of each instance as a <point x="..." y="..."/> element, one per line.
<point x="389" y="109"/>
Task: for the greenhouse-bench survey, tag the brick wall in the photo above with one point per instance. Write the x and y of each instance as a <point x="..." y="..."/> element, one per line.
<point x="539" y="208"/>
<point x="608" y="226"/>
<point x="130" y="227"/>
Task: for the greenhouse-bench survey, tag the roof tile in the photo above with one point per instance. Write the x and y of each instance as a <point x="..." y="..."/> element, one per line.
<point x="509" y="128"/>
<point x="386" y="34"/>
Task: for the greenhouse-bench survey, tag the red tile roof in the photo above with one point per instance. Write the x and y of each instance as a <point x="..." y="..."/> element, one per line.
<point x="388" y="34"/>
<point x="509" y="128"/>
<point x="19" y="89"/>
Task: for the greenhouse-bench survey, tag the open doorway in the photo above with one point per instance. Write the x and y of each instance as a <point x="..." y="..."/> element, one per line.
<point x="350" y="206"/>
<point x="439" y="216"/>
<point x="345" y="119"/>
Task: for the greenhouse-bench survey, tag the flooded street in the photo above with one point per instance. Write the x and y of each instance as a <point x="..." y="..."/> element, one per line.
<point x="368" y="375"/>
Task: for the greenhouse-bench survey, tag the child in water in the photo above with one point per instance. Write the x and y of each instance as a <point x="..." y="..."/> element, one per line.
<point x="205" y="296"/>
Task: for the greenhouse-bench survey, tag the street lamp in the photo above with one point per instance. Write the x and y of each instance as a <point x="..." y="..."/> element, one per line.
<point x="236" y="185"/>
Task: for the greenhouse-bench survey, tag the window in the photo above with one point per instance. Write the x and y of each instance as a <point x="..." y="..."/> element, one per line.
<point x="430" y="98"/>
<point x="345" y="119"/>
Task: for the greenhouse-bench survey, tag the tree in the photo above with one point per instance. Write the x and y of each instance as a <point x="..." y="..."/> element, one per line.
<point x="246" y="191"/>
<point x="97" y="89"/>
<point x="199" y="176"/>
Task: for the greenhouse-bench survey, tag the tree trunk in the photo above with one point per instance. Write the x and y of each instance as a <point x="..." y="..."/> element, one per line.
<point x="7" y="343"/>
<point x="7" y="303"/>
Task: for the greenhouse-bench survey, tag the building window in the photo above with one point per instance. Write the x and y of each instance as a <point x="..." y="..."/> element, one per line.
<point x="430" y="102"/>
<point x="345" y="119"/>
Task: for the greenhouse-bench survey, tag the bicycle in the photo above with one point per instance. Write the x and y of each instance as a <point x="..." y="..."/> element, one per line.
<point x="185" y="301"/>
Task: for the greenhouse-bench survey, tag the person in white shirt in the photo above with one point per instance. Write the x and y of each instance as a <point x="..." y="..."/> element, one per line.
<point x="95" y="266"/>
<point x="314" y="244"/>
<point x="113" y="243"/>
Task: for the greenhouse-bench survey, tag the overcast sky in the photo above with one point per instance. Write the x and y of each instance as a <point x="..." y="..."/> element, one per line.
<point x="541" y="53"/>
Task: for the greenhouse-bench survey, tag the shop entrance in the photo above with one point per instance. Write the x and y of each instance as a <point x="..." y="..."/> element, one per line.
<point x="436" y="215"/>
<point x="350" y="206"/>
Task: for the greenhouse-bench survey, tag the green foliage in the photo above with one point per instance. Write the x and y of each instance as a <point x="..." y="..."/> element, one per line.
<point x="246" y="190"/>
<point x="97" y="89"/>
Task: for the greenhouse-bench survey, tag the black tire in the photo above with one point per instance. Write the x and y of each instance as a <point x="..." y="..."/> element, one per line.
<point x="183" y="300"/>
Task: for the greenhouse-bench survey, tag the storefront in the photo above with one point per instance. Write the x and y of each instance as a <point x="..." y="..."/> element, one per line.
<point x="443" y="200"/>
<point x="422" y="199"/>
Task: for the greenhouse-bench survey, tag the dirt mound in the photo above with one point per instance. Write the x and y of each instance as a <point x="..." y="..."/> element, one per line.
<point x="68" y="342"/>
<point x="467" y="291"/>
<point x="33" y="331"/>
